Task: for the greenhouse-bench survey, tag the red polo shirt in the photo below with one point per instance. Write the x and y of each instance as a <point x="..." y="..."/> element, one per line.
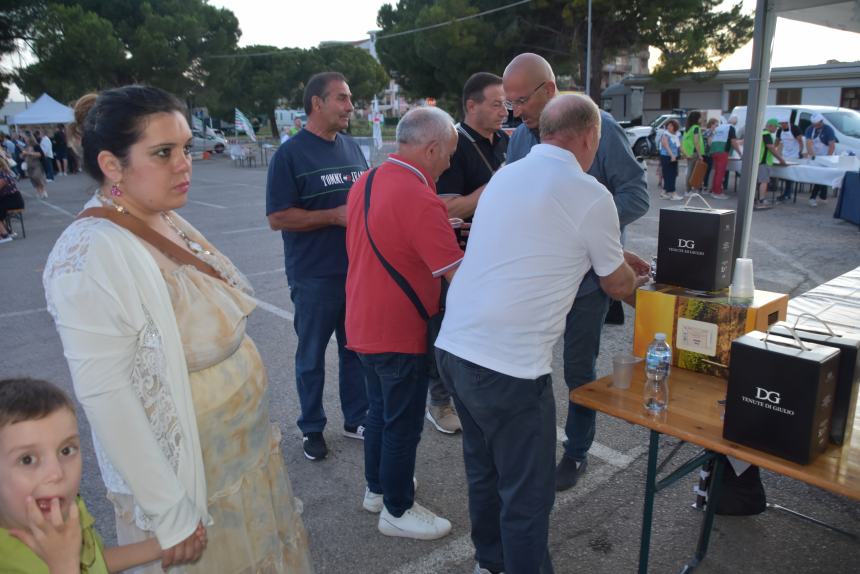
<point x="409" y="224"/>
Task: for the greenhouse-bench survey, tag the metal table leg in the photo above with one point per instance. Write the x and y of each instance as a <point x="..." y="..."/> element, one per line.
<point x="648" y="511"/>
<point x="708" y="523"/>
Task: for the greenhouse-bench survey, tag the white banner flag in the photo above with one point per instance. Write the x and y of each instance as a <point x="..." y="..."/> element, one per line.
<point x="243" y="124"/>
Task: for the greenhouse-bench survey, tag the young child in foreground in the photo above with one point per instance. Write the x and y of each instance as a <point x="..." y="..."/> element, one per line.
<point x="44" y="525"/>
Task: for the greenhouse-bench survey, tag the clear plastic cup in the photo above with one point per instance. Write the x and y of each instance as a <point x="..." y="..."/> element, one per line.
<point x="622" y="370"/>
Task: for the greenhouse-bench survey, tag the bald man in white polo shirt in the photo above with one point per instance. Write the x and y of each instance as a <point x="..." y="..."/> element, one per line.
<point x="506" y="309"/>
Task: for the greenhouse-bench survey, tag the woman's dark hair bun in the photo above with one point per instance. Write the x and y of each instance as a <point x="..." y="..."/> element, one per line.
<point x="114" y="120"/>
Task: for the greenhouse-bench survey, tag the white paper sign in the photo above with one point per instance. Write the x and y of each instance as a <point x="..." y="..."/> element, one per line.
<point x="697" y="337"/>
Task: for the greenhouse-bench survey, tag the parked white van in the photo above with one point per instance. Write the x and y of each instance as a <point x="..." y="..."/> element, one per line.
<point x="844" y="121"/>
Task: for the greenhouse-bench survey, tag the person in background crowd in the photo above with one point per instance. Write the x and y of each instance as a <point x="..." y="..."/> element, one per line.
<point x="529" y="84"/>
<point x="692" y="144"/>
<point x="61" y="149"/>
<point x="10" y="198"/>
<point x="769" y="152"/>
<point x="47" y="154"/>
<point x="481" y="151"/>
<point x="393" y="213"/>
<point x="309" y="178"/>
<point x="33" y="156"/>
<point x="20" y="145"/>
<point x="820" y="140"/>
<point x="723" y="141"/>
<point x="706" y="137"/>
<point x="173" y="387"/>
<point x="285" y="133"/>
<point x="11" y="150"/>
<point x="297" y="126"/>
<point x="670" y="148"/>
<point x="790" y="145"/>
<point x="498" y="364"/>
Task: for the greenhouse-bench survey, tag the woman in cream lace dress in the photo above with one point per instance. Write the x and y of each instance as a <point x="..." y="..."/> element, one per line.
<point x="173" y="387"/>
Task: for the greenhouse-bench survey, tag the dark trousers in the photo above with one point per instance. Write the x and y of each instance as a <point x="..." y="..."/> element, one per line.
<point x="439" y="395"/>
<point x="48" y="165"/>
<point x="320" y="310"/>
<point x="582" y="330"/>
<point x="819" y="191"/>
<point x="509" y="449"/>
<point x="396" y="388"/>
<point x="670" y="173"/>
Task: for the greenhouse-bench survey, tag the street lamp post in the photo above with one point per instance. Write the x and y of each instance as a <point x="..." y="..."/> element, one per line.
<point x="588" y="55"/>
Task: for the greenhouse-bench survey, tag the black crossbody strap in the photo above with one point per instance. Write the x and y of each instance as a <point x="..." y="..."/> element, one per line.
<point x="477" y="149"/>
<point x="398" y="278"/>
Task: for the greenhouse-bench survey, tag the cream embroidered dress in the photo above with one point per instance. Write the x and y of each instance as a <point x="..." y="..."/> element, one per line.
<point x="138" y="426"/>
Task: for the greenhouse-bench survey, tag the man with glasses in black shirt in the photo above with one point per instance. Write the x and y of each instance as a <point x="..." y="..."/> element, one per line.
<point x="481" y="150"/>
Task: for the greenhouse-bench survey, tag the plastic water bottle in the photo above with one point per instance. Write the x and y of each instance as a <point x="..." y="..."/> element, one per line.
<point x="658" y="363"/>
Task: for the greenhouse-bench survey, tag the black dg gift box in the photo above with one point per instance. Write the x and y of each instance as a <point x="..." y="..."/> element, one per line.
<point x="780" y="396"/>
<point x="694" y="247"/>
<point x="847" y="379"/>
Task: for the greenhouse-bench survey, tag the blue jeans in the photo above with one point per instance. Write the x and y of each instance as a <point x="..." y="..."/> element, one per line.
<point x="581" y="347"/>
<point x="509" y="450"/>
<point x="669" y="169"/>
<point x="320" y="310"/>
<point x="396" y="389"/>
<point x="48" y="165"/>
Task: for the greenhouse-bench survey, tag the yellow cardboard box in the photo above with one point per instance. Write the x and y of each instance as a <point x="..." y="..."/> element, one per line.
<point x="701" y="327"/>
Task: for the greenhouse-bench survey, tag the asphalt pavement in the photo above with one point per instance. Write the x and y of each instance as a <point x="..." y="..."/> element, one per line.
<point x="595" y="526"/>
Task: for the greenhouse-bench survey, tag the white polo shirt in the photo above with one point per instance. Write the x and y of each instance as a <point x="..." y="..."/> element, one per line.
<point x="541" y="224"/>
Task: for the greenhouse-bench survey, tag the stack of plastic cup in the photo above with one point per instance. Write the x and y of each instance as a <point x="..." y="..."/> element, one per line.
<point x="743" y="284"/>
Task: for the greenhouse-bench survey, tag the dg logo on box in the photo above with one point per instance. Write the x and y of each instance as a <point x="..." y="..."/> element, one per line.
<point x="766" y="395"/>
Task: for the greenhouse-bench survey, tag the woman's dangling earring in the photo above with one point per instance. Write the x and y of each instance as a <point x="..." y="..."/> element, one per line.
<point x="115" y="191"/>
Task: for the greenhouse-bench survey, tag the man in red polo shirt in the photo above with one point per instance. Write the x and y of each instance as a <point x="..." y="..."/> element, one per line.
<point x="409" y="226"/>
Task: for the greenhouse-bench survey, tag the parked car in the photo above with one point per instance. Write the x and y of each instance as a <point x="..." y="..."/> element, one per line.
<point x="208" y="142"/>
<point x="643" y="138"/>
<point x="844" y="121"/>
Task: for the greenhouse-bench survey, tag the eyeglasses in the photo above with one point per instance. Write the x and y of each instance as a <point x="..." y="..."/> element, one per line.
<point x="510" y="105"/>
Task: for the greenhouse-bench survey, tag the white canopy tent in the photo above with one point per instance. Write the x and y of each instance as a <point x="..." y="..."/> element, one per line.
<point x="840" y="14"/>
<point x="45" y="110"/>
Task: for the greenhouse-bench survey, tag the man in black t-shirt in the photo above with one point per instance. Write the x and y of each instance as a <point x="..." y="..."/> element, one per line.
<point x="61" y="149"/>
<point x="309" y="178"/>
<point x="482" y="145"/>
<point x="481" y="150"/>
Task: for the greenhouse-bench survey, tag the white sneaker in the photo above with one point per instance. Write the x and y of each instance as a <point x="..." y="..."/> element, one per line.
<point x="664" y="195"/>
<point x="677" y="197"/>
<point x="719" y="196"/>
<point x="417" y="522"/>
<point x="6" y="239"/>
<point x="373" y="502"/>
<point x="813" y="203"/>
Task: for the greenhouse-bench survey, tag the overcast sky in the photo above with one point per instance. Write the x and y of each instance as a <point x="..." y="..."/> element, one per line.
<point x="307" y="23"/>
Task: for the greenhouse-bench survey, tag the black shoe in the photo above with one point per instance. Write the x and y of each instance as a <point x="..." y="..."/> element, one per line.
<point x="615" y="316"/>
<point x="314" y="446"/>
<point x="567" y="473"/>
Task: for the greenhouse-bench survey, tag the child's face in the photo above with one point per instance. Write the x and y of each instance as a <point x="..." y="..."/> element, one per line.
<point x="38" y="458"/>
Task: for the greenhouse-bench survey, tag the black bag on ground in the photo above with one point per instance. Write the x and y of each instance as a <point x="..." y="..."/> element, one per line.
<point x="740" y="495"/>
